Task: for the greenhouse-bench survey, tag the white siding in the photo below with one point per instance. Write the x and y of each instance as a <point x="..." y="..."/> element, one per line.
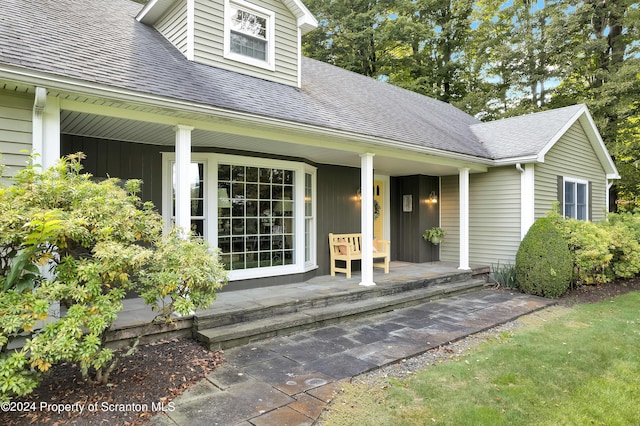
<point x="209" y="41"/>
<point x="15" y="130"/>
<point x="173" y="26"/>
<point x="572" y="156"/>
<point x="494" y="216"/>
<point x="450" y="218"/>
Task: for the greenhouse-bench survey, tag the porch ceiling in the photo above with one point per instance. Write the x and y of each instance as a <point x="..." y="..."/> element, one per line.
<point x="115" y="128"/>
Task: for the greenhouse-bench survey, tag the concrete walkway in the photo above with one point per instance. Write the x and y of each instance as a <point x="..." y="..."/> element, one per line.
<point x="289" y="380"/>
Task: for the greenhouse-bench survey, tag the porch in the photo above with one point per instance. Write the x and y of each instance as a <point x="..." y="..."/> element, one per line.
<point x="241" y="316"/>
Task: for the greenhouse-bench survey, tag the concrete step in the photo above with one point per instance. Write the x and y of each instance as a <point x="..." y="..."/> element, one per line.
<point x="282" y="306"/>
<point x="289" y="317"/>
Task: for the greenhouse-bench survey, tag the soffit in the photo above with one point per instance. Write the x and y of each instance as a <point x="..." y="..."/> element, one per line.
<point x="111" y="128"/>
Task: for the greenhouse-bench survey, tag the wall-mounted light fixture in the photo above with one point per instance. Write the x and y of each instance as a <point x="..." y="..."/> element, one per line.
<point x="433" y="197"/>
<point x="358" y="194"/>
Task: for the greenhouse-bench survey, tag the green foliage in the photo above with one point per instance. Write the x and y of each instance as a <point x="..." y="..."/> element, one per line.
<point x="505" y="275"/>
<point x="434" y="235"/>
<point x="95" y="239"/>
<point x="602" y="252"/>
<point x="624" y="232"/>
<point x="589" y="247"/>
<point x="182" y="271"/>
<point x="543" y="261"/>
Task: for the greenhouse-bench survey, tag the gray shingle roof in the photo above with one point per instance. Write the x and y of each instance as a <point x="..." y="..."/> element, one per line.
<point x="101" y="42"/>
<point x="525" y="135"/>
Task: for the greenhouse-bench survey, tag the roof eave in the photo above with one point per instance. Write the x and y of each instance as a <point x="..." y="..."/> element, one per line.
<point x="81" y="87"/>
<point x="153" y="10"/>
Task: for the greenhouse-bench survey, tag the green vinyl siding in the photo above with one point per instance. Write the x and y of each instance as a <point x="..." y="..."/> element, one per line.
<point x="450" y="218"/>
<point x="15" y="130"/>
<point x="573" y="157"/>
<point x="173" y="26"/>
<point x="494" y="216"/>
<point x="209" y="42"/>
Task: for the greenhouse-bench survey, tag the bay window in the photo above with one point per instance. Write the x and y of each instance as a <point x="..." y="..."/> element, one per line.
<point x="260" y="213"/>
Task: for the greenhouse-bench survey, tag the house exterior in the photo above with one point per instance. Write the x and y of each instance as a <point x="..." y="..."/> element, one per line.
<point x="265" y="152"/>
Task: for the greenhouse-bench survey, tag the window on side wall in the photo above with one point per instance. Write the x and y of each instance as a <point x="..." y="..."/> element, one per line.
<point x="249" y="34"/>
<point x="576" y="199"/>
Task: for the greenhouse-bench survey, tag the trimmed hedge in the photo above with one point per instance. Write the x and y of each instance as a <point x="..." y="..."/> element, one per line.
<point x="543" y="262"/>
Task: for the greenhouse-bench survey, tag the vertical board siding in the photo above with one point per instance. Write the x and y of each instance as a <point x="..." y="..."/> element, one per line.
<point x="572" y="156"/>
<point x="122" y="160"/>
<point x="450" y="218"/>
<point x="338" y="209"/>
<point x="494" y="216"/>
<point x="209" y="41"/>
<point x="173" y="26"/>
<point x="15" y="131"/>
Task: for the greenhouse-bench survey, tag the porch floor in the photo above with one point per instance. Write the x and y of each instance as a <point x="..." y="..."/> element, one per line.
<point x="136" y="313"/>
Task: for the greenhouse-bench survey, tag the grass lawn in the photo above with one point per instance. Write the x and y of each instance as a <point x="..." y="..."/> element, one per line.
<point x="566" y="366"/>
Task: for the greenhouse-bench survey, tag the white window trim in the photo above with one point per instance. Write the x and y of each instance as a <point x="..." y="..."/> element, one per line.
<point x="269" y="15"/>
<point x="312" y="263"/>
<point x="212" y="161"/>
<point x="168" y="160"/>
<point x="566" y="179"/>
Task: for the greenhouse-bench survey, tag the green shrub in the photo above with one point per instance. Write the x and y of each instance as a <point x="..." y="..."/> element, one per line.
<point x="589" y="245"/>
<point x="99" y="242"/>
<point x="624" y="245"/>
<point x="543" y="261"/>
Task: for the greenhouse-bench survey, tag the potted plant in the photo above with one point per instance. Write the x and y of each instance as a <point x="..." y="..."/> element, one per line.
<point x="434" y="235"/>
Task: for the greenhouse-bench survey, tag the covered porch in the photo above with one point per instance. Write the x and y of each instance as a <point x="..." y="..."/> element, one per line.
<point x="162" y="147"/>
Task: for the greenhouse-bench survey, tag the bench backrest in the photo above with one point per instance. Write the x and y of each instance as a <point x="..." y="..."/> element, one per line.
<point x="338" y="243"/>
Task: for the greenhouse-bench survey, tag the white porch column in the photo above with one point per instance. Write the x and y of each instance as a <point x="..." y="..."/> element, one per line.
<point x="527" y="199"/>
<point x="46" y="128"/>
<point x="183" y="177"/>
<point x="464" y="218"/>
<point x="366" y="188"/>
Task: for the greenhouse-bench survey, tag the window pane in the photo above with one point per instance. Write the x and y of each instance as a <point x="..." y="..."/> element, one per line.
<point x="569" y="199"/>
<point x="196" y="193"/>
<point x="258" y="215"/>
<point x="248" y="23"/>
<point x="248" y="46"/>
<point x="581" y="208"/>
<point x="308" y="221"/>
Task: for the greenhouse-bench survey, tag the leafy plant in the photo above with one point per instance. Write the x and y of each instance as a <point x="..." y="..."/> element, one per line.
<point x="543" y="261"/>
<point x="504" y="275"/>
<point x="434" y="235"/>
<point x="182" y="271"/>
<point x="100" y="242"/>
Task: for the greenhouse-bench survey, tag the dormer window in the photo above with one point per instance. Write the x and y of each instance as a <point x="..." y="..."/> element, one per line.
<point x="248" y="34"/>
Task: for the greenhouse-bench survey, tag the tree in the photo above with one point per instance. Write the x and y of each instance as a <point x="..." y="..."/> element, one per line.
<point x="347" y="34"/>
<point x="424" y="46"/>
<point x="601" y="68"/>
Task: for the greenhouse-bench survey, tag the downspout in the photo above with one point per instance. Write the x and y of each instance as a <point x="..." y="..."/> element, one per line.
<point x="519" y="168"/>
<point x="607" y="198"/>
<point x="39" y="104"/>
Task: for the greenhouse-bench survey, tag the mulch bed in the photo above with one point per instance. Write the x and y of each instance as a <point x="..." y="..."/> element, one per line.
<point x="159" y="372"/>
<point x="147" y="380"/>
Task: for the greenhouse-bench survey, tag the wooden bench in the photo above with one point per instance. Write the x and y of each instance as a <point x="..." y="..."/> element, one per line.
<point x="347" y="247"/>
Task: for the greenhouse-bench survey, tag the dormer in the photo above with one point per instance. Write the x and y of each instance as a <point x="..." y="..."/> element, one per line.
<point x="260" y="38"/>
